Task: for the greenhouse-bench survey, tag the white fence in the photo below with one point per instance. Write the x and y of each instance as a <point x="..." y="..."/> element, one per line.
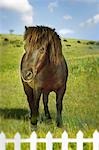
<point x="49" y="140"/>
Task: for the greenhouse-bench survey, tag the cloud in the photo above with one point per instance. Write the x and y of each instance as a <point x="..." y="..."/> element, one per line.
<point x="52" y="6"/>
<point x="67" y="17"/>
<point x="91" y="21"/>
<point x="23" y="7"/>
<point x="64" y="32"/>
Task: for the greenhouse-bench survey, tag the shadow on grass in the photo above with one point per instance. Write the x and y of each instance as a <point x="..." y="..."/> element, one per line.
<point x="14" y="113"/>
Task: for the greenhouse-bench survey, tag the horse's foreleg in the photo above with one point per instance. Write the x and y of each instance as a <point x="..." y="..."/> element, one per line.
<point x="45" y="102"/>
<point x="29" y="93"/>
<point x="35" y="107"/>
<point x="33" y="97"/>
<point x="59" y="98"/>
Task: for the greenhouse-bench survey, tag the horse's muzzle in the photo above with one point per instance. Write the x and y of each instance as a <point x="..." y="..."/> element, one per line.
<point x="27" y="76"/>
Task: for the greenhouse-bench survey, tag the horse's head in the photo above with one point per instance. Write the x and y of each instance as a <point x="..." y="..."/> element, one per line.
<point x="34" y="59"/>
<point x="40" y="49"/>
<point x="33" y="62"/>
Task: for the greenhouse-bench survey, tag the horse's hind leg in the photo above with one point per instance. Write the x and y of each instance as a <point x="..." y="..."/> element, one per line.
<point x="45" y="102"/>
<point x="59" y="98"/>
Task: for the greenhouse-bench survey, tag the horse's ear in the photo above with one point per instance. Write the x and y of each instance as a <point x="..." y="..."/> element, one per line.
<point x="26" y="27"/>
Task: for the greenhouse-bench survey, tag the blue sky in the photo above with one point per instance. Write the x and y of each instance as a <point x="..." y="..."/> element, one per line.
<point x="70" y="18"/>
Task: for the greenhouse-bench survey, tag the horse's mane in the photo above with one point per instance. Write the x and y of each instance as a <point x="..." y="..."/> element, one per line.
<point x="36" y="37"/>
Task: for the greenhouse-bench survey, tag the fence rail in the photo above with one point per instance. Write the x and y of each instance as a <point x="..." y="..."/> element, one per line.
<point x="49" y="140"/>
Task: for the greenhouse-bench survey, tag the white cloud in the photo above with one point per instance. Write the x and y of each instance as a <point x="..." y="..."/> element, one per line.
<point x="91" y="21"/>
<point x="23" y="7"/>
<point x="67" y="17"/>
<point x="64" y="31"/>
<point x="52" y="6"/>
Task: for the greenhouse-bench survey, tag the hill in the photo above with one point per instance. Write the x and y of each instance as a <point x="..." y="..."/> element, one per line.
<point x="81" y="101"/>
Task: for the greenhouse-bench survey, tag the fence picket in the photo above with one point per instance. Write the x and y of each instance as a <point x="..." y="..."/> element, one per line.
<point x="49" y="140"/>
<point x="17" y="143"/>
<point x="33" y="141"/>
<point x="79" y="140"/>
<point x="96" y="140"/>
<point x="64" y="141"/>
<point x="2" y="141"/>
<point x="49" y="144"/>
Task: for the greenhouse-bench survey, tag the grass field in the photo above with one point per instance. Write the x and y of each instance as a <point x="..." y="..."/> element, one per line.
<point x="81" y="101"/>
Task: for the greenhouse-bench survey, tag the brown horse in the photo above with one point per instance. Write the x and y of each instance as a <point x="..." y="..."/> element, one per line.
<point x="43" y="69"/>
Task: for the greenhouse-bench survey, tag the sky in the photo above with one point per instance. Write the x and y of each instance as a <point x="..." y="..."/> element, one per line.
<point x="71" y="18"/>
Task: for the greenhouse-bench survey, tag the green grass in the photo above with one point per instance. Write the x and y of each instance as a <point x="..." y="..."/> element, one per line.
<point x="81" y="101"/>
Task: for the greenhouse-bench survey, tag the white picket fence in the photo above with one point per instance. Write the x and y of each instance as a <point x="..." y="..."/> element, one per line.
<point x="49" y="140"/>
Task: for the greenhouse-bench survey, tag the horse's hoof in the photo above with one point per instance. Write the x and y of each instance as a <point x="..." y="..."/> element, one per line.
<point x="48" y="117"/>
<point x="59" y="124"/>
<point x="33" y="127"/>
<point x="48" y="121"/>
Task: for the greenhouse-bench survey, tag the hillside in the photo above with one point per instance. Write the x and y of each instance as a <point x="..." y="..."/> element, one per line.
<point x="81" y="101"/>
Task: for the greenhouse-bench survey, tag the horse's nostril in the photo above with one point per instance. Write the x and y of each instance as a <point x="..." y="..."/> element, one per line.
<point x="29" y="75"/>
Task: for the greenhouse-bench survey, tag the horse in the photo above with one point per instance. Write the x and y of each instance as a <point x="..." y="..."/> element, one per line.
<point x="43" y="70"/>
